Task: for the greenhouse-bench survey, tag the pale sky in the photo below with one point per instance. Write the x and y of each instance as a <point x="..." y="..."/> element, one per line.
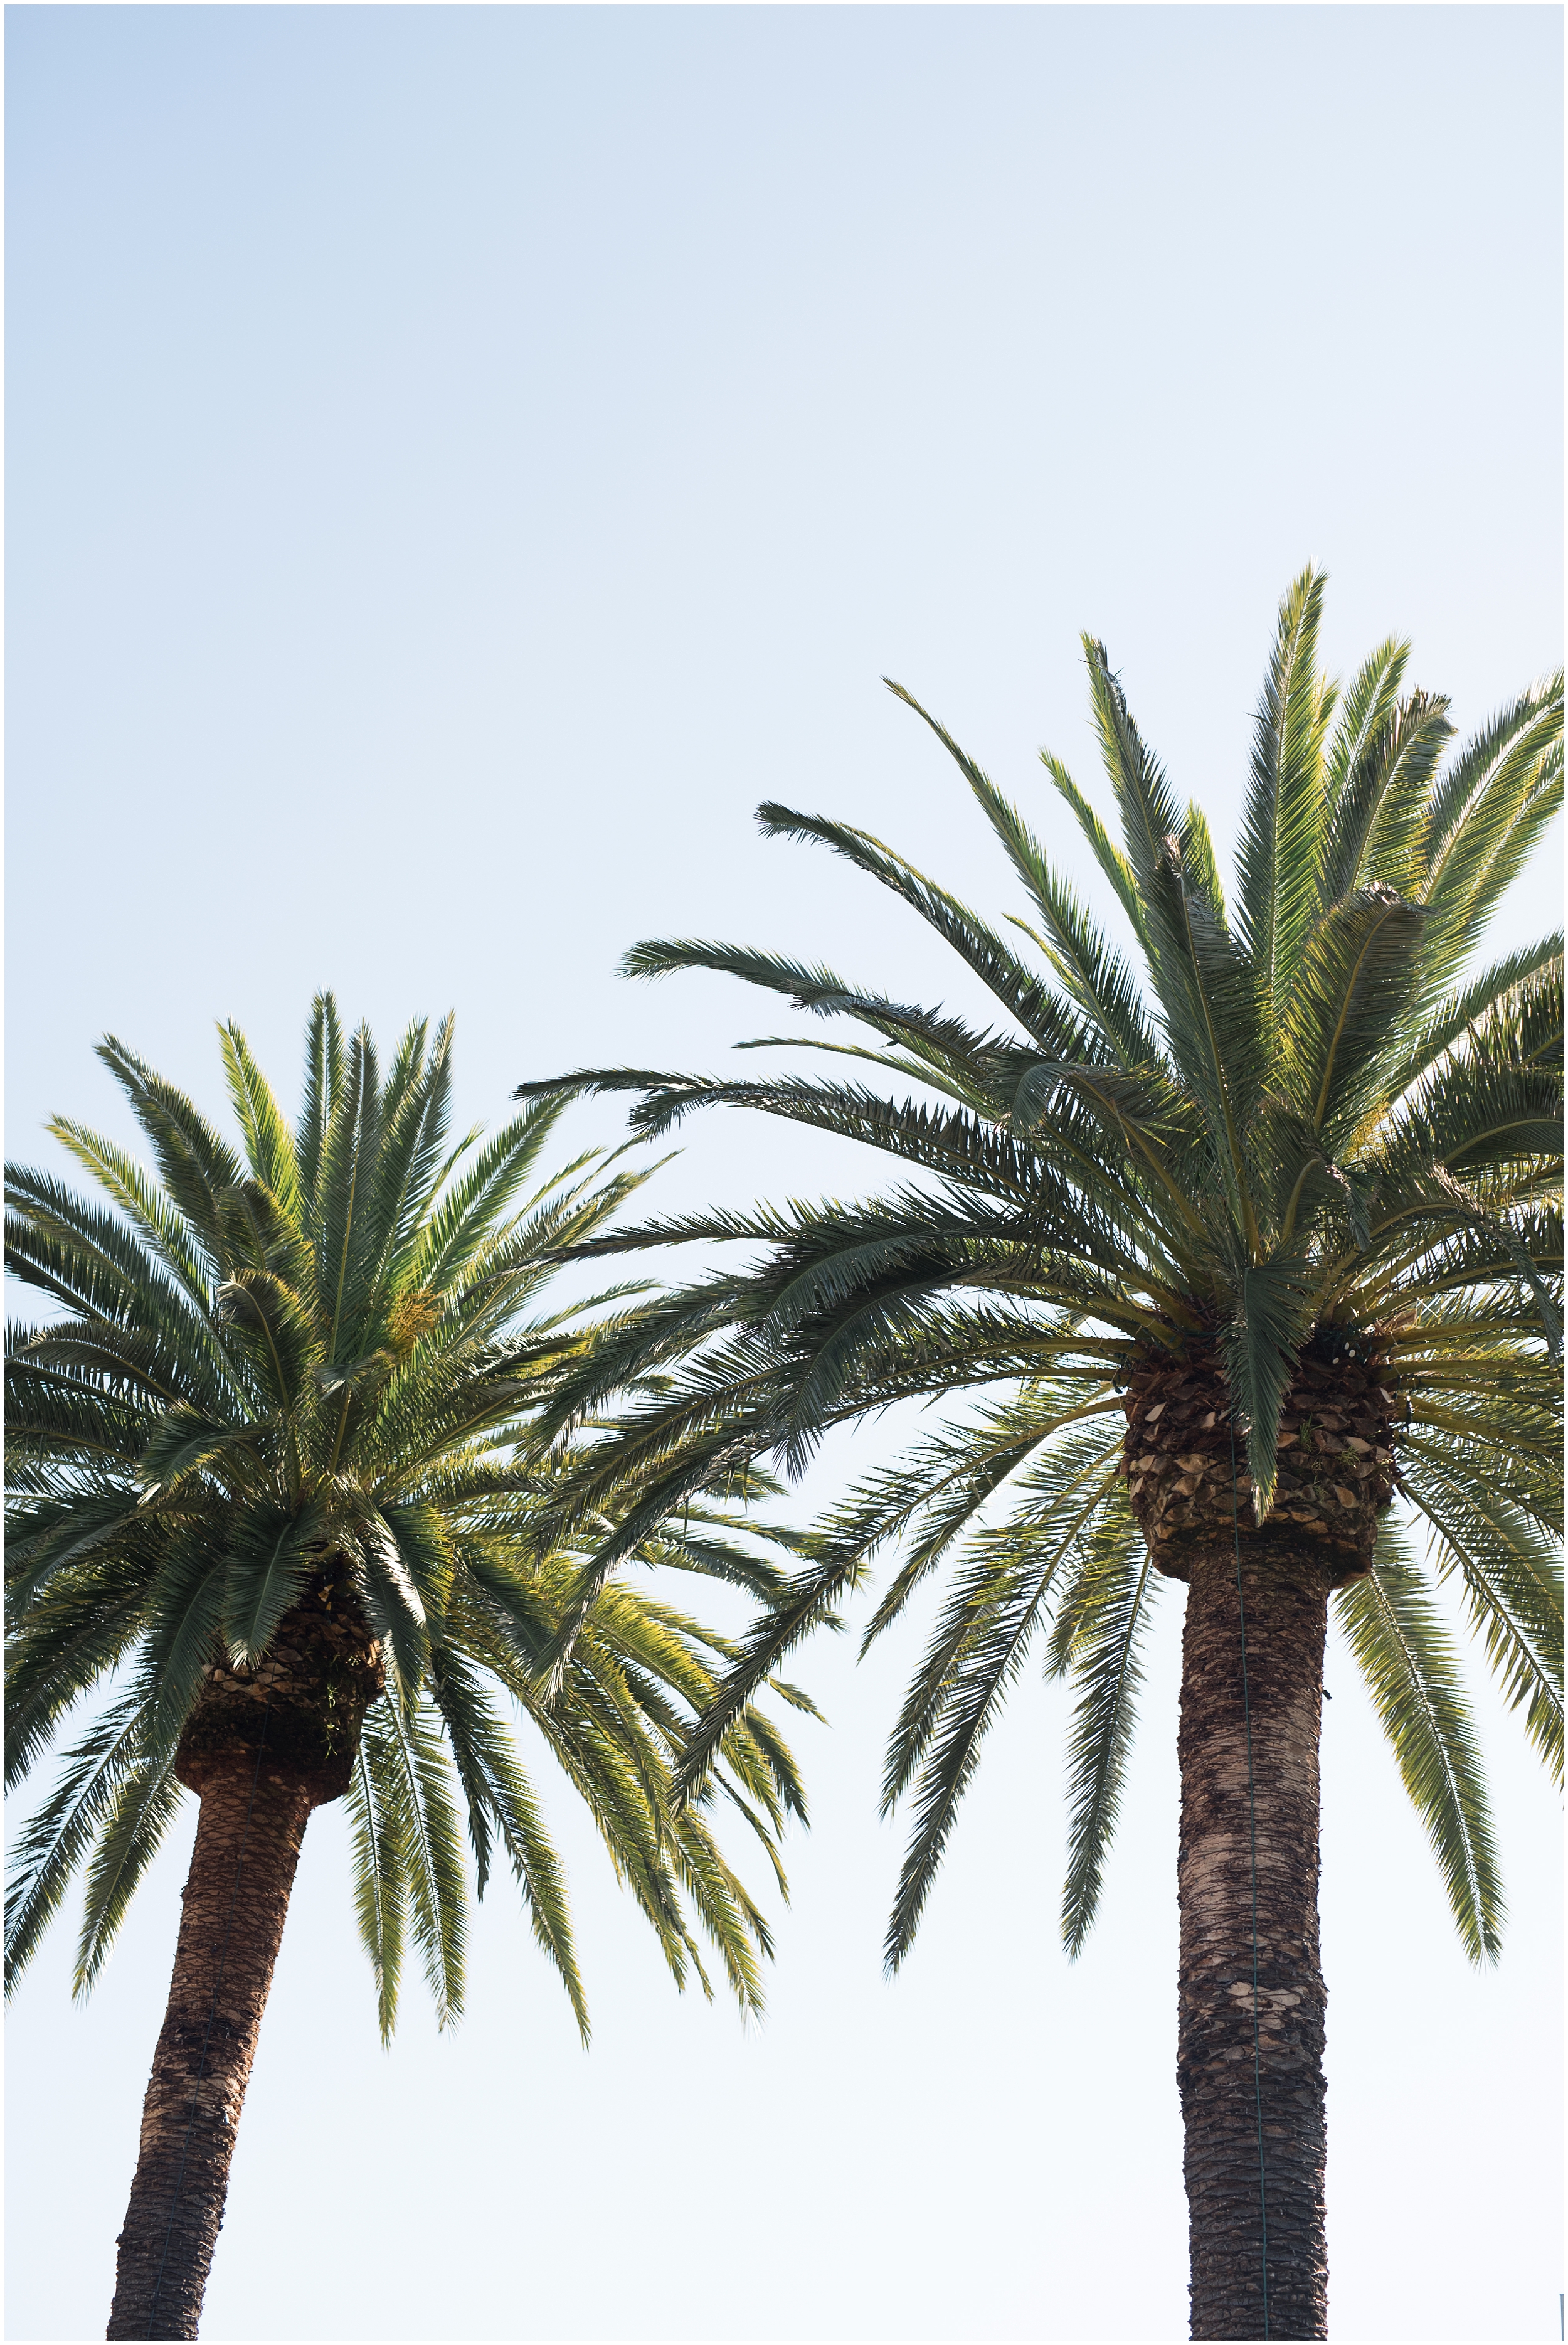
<point x="459" y="461"/>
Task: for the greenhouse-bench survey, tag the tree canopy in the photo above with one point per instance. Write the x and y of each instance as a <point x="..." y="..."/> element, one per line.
<point x="314" y="1362"/>
<point x="1294" y="1117"/>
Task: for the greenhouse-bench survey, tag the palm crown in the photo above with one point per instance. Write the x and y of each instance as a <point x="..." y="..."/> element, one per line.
<point x="1268" y="1208"/>
<point x="286" y="1402"/>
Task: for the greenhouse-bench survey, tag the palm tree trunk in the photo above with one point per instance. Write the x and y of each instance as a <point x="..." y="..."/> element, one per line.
<point x="248" y="1840"/>
<point x="1252" y="2104"/>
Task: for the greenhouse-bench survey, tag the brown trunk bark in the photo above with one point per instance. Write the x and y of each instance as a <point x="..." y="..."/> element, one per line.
<point x="253" y="1817"/>
<point x="1254" y="2118"/>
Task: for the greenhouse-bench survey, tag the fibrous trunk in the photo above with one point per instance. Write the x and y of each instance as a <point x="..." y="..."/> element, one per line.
<point x="247" y="1841"/>
<point x="1251" y="2004"/>
<point x="262" y="1747"/>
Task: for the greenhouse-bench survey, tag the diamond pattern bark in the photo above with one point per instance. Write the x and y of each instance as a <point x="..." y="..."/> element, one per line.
<point x="262" y="1747"/>
<point x="1232" y="2191"/>
<point x="236" y="1901"/>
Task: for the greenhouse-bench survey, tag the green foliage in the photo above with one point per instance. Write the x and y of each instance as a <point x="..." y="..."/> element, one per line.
<point x="331" y="1342"/>
<point x="1410" y="1669"/>
<point x="1254" y="1123"/>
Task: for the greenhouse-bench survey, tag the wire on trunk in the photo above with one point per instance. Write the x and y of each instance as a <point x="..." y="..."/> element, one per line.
<point x="1252" y="1833"/>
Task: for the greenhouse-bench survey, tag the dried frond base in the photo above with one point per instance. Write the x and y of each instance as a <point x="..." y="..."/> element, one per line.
<point x="303" y="1703"/>
<point x="1336" y="1462"/>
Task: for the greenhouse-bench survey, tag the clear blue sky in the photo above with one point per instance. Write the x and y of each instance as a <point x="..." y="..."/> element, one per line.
<point x="459" y="461"/>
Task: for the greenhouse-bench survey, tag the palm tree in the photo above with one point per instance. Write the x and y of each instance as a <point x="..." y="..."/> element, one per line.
<point x="1224" y="1245"/>
<point x="274" y="1497"/>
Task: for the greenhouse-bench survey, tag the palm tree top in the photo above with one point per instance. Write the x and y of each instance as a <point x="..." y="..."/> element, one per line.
<point x="300" y="1376"/>
<point x="1286" y="1125"/>
<point x="1220" y="1123"/>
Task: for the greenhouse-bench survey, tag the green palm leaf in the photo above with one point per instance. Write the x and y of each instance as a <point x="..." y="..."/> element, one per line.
<point x="1116" y="1588"/>
<point x="1410" y="1671"/>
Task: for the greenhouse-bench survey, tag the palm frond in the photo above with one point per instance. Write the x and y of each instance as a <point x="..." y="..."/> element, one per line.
<point x="1281" y="837"/>
<point x="1410" y="1671"/>
<point x="1116" y="1587"/>
<point x="144" y="1803"/>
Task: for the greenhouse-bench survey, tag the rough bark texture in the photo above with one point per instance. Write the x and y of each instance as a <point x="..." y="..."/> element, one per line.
<point x="230" y="1935"/>
<point x="1192" y="1496"/>
<point x="1336" y="1457"/>
<point x="262" y="1747"/>
<point x="1286" y="1588"/>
